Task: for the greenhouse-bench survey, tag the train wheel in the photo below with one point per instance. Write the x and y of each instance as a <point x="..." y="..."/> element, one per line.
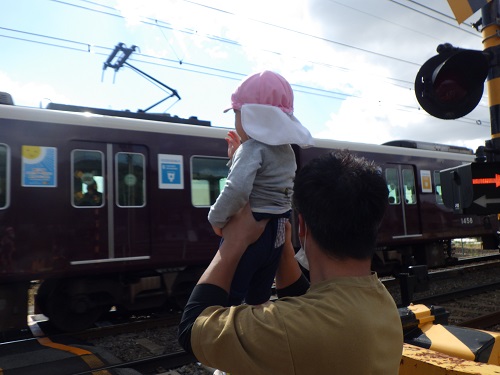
<point x="72" y="312"/>
<point x="43" y="294"/>
<point x="183" y="286"/>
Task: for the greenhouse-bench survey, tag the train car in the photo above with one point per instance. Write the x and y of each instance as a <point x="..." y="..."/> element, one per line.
<point x="417" y="228"/>
<point x="111" y="211"/>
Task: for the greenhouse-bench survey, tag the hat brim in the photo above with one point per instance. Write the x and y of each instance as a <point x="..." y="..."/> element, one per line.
<point x="272" y="126"/>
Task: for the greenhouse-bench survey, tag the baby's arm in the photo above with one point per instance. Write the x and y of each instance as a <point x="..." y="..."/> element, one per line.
<point x="238" y="186"/>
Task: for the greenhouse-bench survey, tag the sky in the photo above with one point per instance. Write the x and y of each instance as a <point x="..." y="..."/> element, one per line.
<point x="352" y="63"/>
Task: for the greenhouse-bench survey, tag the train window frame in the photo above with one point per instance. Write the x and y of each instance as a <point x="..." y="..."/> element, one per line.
<point x="5" y="178"/>
<point x="191" y="179"/>
<point x="131" y="180"/>
<point x="397" y="186"/>
<point x="100" y="182"/>
<point x="438" y="192"/>
<point x="405" y="174"/>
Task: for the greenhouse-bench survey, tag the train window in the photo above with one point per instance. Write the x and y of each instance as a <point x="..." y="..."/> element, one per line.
<point x="4" y="169"/>
<point x="88" y="181"/>
<point x="437" y="183"/>
<point x="409" y="186"/>
<point x="208" y="177"/>
<point x="392" y="180"/>
<point x="130" y="182"/>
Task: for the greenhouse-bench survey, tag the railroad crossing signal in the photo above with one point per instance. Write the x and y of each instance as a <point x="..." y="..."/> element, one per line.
<point x="486" y="181"/>
<point x="472" y="188"/>
<point x="450" y="84"/>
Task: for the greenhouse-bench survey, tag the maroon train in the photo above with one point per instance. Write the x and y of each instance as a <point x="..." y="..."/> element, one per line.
<point x="109" y="210"/>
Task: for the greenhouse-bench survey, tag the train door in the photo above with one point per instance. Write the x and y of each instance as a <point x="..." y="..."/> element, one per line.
<point x="403" y="212"/>
<point x="131" y="218"/>
<point x="109" y="214"/>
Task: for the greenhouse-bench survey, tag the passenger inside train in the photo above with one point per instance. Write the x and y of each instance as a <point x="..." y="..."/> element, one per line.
<point x="92" y="197"/>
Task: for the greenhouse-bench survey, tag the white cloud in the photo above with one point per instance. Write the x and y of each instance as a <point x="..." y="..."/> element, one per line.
<point x="359" y="57"/>
<point x="31" y="94"/>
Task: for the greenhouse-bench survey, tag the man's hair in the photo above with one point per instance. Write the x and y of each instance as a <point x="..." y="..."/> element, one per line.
<point x="342" y="199"/>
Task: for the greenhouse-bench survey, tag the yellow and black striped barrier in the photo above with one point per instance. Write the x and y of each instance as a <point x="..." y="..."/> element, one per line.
<point x="420" y="361"/>
<point x="463" y="9"/>
<point x="434" y="347"/>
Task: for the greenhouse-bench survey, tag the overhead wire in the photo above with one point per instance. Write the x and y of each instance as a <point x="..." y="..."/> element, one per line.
<point x="153" y="22"/>
<point x="110" y="11"/>
<point x="169" y="44"/>
<point x="346" y="45"/>
<point x="114" y="12"/>
<point x="159" y="23"/>
<point x="160" y="61"/>
<point x="393" y="81"/>
<point x="193" y="68"/>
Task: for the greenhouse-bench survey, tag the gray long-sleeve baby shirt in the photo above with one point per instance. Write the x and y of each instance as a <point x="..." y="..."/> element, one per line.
<point x="261" y="174"/>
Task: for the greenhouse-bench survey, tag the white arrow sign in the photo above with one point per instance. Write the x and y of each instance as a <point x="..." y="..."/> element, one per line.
<point x="483" y="201"/>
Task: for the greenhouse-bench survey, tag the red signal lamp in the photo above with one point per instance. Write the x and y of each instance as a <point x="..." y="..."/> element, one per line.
<point x="451" y="84"/>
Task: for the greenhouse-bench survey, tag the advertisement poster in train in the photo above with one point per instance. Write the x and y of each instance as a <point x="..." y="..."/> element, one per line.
<point x="171" y="171"/>
<point x="39" y="166"/>
<point x="425" y="180"/>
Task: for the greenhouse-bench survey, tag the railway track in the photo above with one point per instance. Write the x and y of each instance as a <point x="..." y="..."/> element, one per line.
<point x="110" y="328"/>
<point x="469" y="290"/>
<point x="128" y="346"/>
<point x="152" y="356"/>
<point x="474" y="307"/>
<point x="462" y="275"/>
<point x="460" y="295"/>
<point x="469" y="264"/>
<point x="486" y="322"/>
<point x="151" y="365"/>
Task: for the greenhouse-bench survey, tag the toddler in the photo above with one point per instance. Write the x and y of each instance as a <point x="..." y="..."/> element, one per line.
<point x="261" y="171"/>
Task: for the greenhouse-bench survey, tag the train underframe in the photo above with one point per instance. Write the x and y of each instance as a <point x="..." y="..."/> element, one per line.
<point x="433" y="254"/>
<point x="393" y="261"/>
<point x="74" y="304"/>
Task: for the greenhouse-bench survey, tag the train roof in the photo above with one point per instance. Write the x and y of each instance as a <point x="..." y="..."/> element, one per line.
<point x="392" y="150"/>
<point x="164" y="117"/>
<point x="63" y="117"/>
<point x="430" y="146"/>
<point x="80" y="118"/>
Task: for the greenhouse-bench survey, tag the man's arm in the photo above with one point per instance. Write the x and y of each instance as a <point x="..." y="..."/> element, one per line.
<point x="214" y="285"/>
<point x="290" y="281"/>
<point x="240" y="232"/>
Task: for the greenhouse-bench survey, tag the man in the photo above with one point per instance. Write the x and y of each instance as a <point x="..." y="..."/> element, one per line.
<point x="344" y="323"/>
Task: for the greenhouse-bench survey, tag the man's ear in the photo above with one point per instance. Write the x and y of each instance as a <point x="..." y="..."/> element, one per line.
<point x="302" y="226"/>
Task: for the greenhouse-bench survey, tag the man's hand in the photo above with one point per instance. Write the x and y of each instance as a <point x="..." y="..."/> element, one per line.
<point x="240" y="232"/>
<point x="288" y="270"/>
<point x="217" y="230"/>
<point x="243" y="228"/>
